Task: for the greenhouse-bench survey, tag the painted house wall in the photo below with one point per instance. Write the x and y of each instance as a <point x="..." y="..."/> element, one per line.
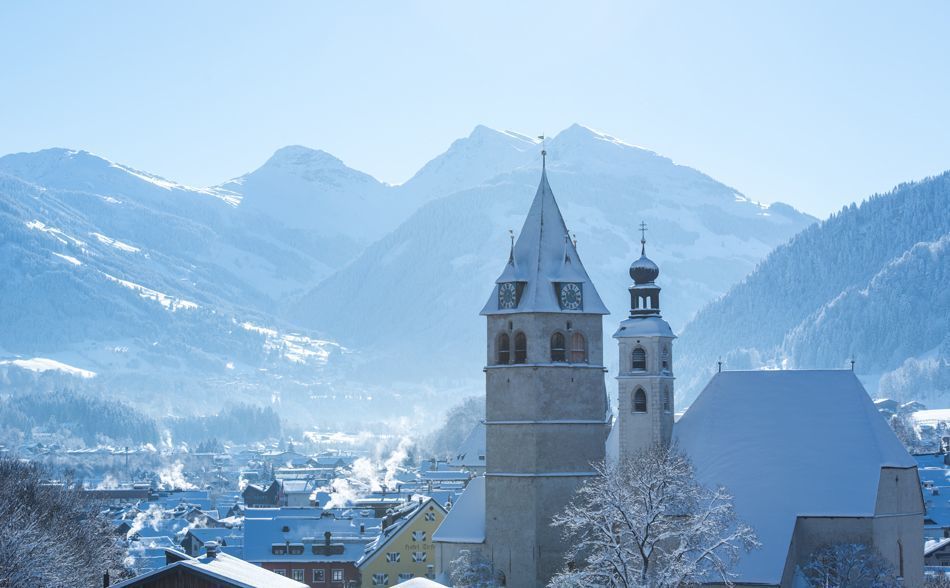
<point x="425" y="521"/>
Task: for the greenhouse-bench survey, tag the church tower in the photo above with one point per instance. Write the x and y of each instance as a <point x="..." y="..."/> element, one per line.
<point x="546" y="403"/>
<point x="645" y="381"/>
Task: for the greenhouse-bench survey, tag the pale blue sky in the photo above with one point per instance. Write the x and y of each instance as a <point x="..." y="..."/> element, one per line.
<point x="813" y="103"/>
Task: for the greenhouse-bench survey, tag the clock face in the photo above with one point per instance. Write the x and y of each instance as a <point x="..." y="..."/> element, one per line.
<point x="571" y="297"/>
<point x="507" y="295"/>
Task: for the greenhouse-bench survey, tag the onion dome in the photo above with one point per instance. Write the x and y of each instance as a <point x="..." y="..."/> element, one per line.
<point x="643" y="270"/>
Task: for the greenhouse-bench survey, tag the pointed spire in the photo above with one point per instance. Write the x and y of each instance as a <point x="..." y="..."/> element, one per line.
<point x="542" y="257"/>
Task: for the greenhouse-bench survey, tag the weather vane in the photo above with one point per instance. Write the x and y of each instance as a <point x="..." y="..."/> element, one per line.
<point x="544" y="151"/>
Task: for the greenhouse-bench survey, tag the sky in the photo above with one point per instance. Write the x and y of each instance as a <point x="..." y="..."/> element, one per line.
<point x="817" y="104"/>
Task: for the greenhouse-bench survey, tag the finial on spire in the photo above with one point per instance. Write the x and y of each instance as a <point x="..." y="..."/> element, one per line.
<point x="511" y="253"/>
<point x="643" y="238"/>
<point x="544" y="151"/>
<point x="719" y="364"/>
<point x="852" y="363"/>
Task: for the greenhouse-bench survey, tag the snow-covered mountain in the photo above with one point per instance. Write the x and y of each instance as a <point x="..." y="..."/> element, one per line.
<point x="413" y="297"/>
<point x="870" y="283"/>
<point x="135" y="283"/>
<point x="129" y="283"/>
<point x="314" y="192"/>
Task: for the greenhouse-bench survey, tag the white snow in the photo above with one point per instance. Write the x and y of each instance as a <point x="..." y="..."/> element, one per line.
<point x="931" y="417"/>
<point x="168" y="302"/>
<point x="115" y="243"/>
<point x="54" y="232"/>
<point x="788" y="444"/>
<point x="465" y="523"/>
<point x="293" y="346"/>
<point x="68" y="258"/>
<point x="44" y="364"/>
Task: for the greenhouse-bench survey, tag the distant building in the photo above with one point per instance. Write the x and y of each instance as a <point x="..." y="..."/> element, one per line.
<point x="214" y="570"/>
<point x="260" y="495"/>
<point x="471" y="454"/>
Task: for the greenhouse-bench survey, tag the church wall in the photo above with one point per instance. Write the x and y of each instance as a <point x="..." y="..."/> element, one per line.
<point x="538" y="327"/>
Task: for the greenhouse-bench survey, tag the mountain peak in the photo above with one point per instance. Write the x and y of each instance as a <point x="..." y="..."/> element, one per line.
<point x="300" y="156"/>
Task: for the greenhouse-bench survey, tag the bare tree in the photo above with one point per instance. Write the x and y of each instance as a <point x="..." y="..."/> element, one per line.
<point x="848" y="565"/>
<point x="648" y="522"/>
<point x="49" y="535"/>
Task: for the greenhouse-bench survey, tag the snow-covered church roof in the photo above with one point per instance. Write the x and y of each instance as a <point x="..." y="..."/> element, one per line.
<point x="788" y="444"/>
<point x="545" y="255"/>
<point x="465" y="523"/>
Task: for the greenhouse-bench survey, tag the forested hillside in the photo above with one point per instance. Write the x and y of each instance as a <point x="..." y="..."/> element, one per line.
<point x="872" y="282"/>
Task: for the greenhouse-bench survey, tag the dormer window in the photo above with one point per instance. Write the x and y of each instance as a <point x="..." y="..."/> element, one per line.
<point x="504" y="349"/>
<point x="639" y="401"/>
<point x="521" y="348"/>
<point x="558" y="353"/>
<point x="578" y="348"/>
<point x="639" y="358"/>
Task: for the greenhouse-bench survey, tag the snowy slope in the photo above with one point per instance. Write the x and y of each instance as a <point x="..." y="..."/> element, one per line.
<point x="815" y="303"/>
<point x="413" y="297"/>
<point x="133" y="283"/>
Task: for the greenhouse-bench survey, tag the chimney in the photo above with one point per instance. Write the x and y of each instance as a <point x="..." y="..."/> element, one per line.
<point x="105" y="580"/>
<point x="326" y="538"/>
<point x="362" y="528"/>
<point x="211" y="549"/>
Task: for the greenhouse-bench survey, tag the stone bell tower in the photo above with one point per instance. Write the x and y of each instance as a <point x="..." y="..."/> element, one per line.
<point x="546" y="403"/>
<point x="645" y="381"/>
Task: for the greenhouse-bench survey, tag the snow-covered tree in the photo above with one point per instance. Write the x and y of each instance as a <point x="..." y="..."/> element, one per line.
<point x="848" y="565"/>
<point x="49" y="535"/>
<point x="937" y="581"/>
<point x="470" y="570"/>
<point x="648" y="522"/>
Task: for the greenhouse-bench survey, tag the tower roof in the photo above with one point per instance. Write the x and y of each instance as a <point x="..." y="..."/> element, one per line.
<point x="542" y="256"/>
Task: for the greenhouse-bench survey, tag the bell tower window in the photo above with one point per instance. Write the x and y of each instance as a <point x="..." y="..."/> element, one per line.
<point x="504" y="349"/>
<point x="639" y="401"/>
<point x="665" y="358"/>
<point x="639" y="360"/>
<point x="578" y="348"/>
<point x="521" y="348"/>
<point x="667" y="399"/>
<point x="557" y="348"/>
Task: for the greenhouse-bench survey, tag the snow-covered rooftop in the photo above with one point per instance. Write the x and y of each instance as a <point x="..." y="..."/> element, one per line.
<point x="465" y="523"/>
<point x="646" y="326"/>
<point x="471" y="453"/>
<point x="544" y="255"/>
<point x="788" y="444"/>
<point x="235" y="571"/>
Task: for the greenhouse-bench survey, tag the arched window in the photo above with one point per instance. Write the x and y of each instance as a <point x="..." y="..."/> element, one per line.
<point x="639" y="401"/>
<point x="557" y="347"/>
<point x="504" y="348"/>
<point x="667" y="399"/>
<point x="521" y="348"/>
<point x="639" y="359"/>
<point x="578" y="348"/>
<point x="665" y="359"/>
